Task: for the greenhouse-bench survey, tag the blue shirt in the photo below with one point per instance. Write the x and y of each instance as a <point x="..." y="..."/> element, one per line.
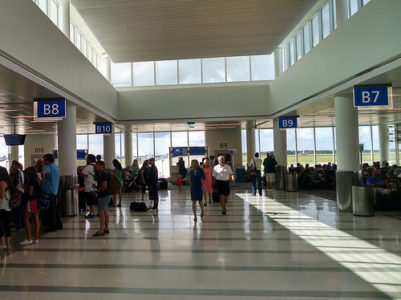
<point x="372" y="180"/>
<point x="52" y="178"/>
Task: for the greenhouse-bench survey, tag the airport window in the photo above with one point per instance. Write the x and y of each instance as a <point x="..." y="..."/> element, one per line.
<point x="84" y="47"/>
<point x="144" y="73"/>
<point x="266" y="141"/>
<point x="72" y="32"/>
<point x="96" y="144"/>
<point x="375" y="143"/>
<point x="305" y="145"/>
<point x="189" y="71"/>
<point x="213" y="70"/>
<point x="121" y="74"/>
<point x="326" y="20"/>
<point x="120" y="147"/>
<point x="307" y="39"/>
<point x="244" y="147"/>
<point x="238" y="68"/>
<point x="315" y="30"/>
<point x="353" y="6"/>
<point x="364" y="2"/>
<point x="291" y="147"/>
<point x="365" y="139"/>
<point x="324" y="145"/>
<point x="78" y="39"/>
<point x="3" y="154"/>
<point x="196" y="138"/>
<point x="262" y="67"/>
<point x="145" y="146"/>
<point x="43" y="5"/>
<point x="257" y="140"/>
<point x="292" y="51"/>
<point x="53" y="11"/>
<point x="82" y="142"/>
<point x="89" y="53"/>
<point x="179" y="139"/>
<point x="334" y="15"/>
<point x="299" y="45"/>
<point x="134" y="146"/>
<point x="166" y="72"/>
<point x="162" y="144"/>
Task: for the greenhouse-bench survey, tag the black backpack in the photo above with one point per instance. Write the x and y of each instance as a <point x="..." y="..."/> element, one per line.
<point x="138" y="206"/>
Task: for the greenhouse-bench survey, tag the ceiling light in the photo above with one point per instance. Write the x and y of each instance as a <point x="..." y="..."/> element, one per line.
<point x="7" y="110"/>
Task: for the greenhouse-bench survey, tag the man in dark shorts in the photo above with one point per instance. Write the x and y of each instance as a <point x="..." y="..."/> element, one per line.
<point x="89" y="181"/>
<point x="103" y="198"/>
<point x="152" y="179"/>
<point x="222" y="173"/>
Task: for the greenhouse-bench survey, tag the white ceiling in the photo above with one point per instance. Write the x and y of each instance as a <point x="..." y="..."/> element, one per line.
<point x="146" y="30"/>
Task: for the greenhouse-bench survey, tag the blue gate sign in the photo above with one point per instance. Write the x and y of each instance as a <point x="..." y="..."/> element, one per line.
<point x="371" y="96"/>
<point x="197" y="150"/>
<point x="49" y="109"/>
<point x="287" y="122"/>
<point x="103" y="128"/>
<point x="81" y="154"/>
<point x="177" y="151"/>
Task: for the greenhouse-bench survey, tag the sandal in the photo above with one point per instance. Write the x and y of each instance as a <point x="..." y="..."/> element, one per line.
<point x="98" y="233"/>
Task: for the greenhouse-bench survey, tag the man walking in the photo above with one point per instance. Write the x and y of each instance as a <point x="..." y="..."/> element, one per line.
<point x="256" y="173"/>
<point x="153" y="178"/>
<point x="270" y="164"/>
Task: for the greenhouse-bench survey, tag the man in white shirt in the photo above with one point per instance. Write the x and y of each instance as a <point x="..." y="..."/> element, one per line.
<point x="90" y="182"/>
<point x="255" y="166"/>
<point x="221" y="178"/>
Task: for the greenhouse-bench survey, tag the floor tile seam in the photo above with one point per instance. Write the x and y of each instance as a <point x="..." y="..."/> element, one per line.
<point x="197" y="292"/>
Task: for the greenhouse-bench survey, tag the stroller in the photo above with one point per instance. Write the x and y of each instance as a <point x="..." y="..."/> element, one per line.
<point x="129" y="183"/>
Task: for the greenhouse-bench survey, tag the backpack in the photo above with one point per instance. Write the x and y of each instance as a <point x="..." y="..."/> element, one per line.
<point x="138" y="206"/>
<point x="113" y="184"/>
<point x="252" y="168"/>
<point x="44" y="201"/>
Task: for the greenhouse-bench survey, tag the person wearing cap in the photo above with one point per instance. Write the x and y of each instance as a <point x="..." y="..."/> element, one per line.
<point x="153" y="178"/>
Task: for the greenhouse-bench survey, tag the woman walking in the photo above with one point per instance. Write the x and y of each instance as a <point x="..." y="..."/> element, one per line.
<point x="31" y="196"/>
<point x="119" y="172"/>
<point x="5" y="210"/>
<point x="197" y="176"/>
<point x="207" y="183"/>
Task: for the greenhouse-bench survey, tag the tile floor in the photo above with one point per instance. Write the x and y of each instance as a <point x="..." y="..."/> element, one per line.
<point x="278" y="246"/>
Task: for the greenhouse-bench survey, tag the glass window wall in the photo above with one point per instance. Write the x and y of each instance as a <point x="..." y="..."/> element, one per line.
<point x="266" y="141"/>
<point x="375" y="143"/>
<point x="299" y="45"/>
<point x="353" y="7"/>
<point x="145" y="146"/>
<point x="213" y="70"/>
<point x="324" y="145"/>
<point x="190" y="71"/>
<point x="53" y="11"/>
<point x="365" y="139"/>
<point x="121" y="74"/>
<point x="326" y="29"/>
<point x="162" y="144"/>
<point x="305" y="143"/>
<point x="292" y="51"/>
<point x="196" y="138"/>
<point x="166" y="72"/>
<point x="262" y="67"/>
<point x="291" y="149"/>
<point x="144" y="73"/>
<point x="315" y="30"/>
<point x="307" y="40"/>
<point x="96" y="144"/>
<point x="238" y="68"/>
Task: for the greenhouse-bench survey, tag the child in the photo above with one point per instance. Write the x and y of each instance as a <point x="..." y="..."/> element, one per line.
<point x="179" y="182"/>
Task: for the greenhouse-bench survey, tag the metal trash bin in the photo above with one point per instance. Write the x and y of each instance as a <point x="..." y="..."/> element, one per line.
<point x="292" y="182"/>
<point x="281" y="171"/>
<point x="363" y="201"/>
<point x="69" y="195"/>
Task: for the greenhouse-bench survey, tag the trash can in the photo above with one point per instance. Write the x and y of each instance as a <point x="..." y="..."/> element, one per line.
<point x="69" y="195"/>
<point x="292" y="183"/>
<point x="281" y="172"/>
<point x="363" y="201"/>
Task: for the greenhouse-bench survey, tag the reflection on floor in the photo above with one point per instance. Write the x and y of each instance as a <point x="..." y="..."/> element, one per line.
<point x="281" y="245"/>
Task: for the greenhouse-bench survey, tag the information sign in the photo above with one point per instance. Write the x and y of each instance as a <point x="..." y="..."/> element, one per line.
<point x="49" y="109"/>
<point x="371" y="96"/>
<point x="103" y="128"/>
<point x="287" y="122"/>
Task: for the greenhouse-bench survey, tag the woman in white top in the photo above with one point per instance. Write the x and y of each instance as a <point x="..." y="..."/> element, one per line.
<point x="221" y="177"/>
<point x="5" y="210"/>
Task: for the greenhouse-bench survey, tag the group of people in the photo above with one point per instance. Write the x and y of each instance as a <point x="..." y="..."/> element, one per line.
<point x="255" y="172"/>
<point x="20" y="192"/>
<point x="319" y="176"/>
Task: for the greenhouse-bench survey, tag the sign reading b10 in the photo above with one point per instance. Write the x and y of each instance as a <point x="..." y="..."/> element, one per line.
<point x="371" y="95"/>
<point x="49" y="109"/>
<point x="289" y="122"/>
<point x="103" y="128"/>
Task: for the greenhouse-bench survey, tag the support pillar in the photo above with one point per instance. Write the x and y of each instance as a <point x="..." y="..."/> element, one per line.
<point x="250" y="140"/>
<point x="347" y="138"/>
<point x="67" y="142"/>
<point x="65" y="17"/>
<point x="14" y="153"/>
<point x="109" y="149"/>
<point x="384" y="143"/>
<point x="128" y="147"/>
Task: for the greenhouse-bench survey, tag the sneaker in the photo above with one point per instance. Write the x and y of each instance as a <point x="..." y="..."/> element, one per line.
<point x="26" y="242"/>
<point x="98" y="233"/>
<point x="36" y="241"/>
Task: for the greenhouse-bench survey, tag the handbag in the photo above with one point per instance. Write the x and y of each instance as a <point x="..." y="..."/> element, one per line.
<point x="15" y="200"/>
<point x="44" y="201"/>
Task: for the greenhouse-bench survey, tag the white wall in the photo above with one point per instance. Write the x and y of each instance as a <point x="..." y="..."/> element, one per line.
<point x="232" y="137"/>
<point x="30" y="38"/>
<point x="38" y="145"/>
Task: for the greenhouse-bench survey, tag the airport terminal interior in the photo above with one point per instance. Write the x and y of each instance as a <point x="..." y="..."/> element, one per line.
<point x="312" y="86"/>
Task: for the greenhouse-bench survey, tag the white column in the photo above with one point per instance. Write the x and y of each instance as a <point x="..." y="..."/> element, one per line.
<point x="347" y="150"/>
<point x="346" y="134"/>
<point x="67" y="142"/>
<point x="109" y="149"/>
<point x="250" y="140"/>
<point x="384" y="143"/>
<point x="65" y="17"/>
<point x="128" y="147"/>
<point x="341" y="11"/>
<point x="14" y="153"/>
<point x="280" y="144"/>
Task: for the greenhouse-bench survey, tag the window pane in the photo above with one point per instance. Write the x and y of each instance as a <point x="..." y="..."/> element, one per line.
<point x="179" y="139"/>
<point x="72" y="32"/>
<point x="376" y="145"/>
<point x="84" y="46"/>
<point x="292" y="51"/>
<point x="96" y="144"/>
<point x="144" y="73"/>
<point x="238" y="68"/>
<point x="324" y="145"/>
<point x="364" y="2"/>
<point x="257" y="140"/>
<point x="266" y="141"/>
<point x="77" y="39"/>
<point x="305" y="146"/>
<point x="353" y="7"/>
<point x="315" y="30"/>
<point x="3" y="154"/>
<point x="166" y="72"/>
<point x="244" y="148"/>
<point x="326" y="20"/>
<point x="364" y="138"/>
<point x="162" y="144"/>
<point x="290" y="146"/>
<point x="190" y="71"/>
<point x="307" y="38"/>
<point x="53" y="12"/>
<point x="299" y="44"/>
<point x="197" y="138"/>
<point x="145" y="146"/>
<point x="119" y="147"/>
<point x="213" y="70"/>
<point x="120" y="74"/>
<point x="43" y="5"/>
<point x="82" y="142"/>
<point x="262" y="67"/>
<point x="134" y="146"/>
<point x="334" y="14"/>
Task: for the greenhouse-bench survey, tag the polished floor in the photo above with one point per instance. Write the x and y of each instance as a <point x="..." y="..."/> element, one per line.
<point x="278" y="246"/>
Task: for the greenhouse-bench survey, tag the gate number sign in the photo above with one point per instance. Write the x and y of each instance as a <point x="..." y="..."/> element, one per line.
<point x="371" y="96"/>
<point x="49" y="109"/>
<point x="290" y="122"/>
<point x="103" y="128"/>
